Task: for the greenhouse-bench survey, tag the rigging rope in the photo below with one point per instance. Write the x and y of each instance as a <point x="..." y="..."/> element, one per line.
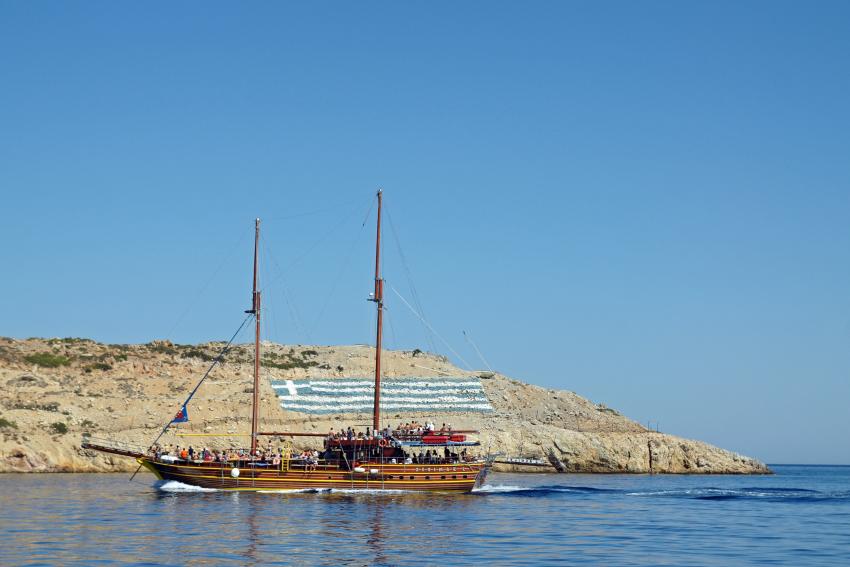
<point x="429" y="337"/>
<point x="190" y="305"/>
<point x="315" y="245"/>
<point x="215" y="361"/>
<point x="475" y="346"/>
<point x="395" y="291"/>
<point x="346" y="262"/>
<point x="300" y="328"/>
<point x="314" y="211"/>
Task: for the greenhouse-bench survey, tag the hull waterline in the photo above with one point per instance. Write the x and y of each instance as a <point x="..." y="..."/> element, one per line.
<point x="429" y="478"/>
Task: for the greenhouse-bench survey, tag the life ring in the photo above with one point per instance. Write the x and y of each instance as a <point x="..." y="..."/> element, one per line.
<point x="234" y="472"/>
<point x="383" y="443"/>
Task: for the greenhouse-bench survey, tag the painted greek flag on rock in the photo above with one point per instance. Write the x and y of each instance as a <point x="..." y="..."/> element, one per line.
<point x="355" y="395"/>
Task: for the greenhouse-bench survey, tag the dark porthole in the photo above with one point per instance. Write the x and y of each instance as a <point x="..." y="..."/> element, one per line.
<point x="454" y="476"/>
<point x="427" y="477"/>
<point x="411" y="477"/>
<point x="464" y="476"/>
<point x="329" y="477"/>
<point x="443" y="477"/>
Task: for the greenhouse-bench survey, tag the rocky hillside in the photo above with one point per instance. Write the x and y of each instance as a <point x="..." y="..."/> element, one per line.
<point x="55" y="390"/>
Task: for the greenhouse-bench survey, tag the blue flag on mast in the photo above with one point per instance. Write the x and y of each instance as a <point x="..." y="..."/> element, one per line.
<point x="182" y="415"/>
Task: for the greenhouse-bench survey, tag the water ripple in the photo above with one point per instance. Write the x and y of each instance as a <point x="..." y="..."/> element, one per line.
<point x="801" y="515"/>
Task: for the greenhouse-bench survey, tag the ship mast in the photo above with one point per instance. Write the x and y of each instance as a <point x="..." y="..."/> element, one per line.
<point x="255" y="309"/>
<point x="379" y="303"/>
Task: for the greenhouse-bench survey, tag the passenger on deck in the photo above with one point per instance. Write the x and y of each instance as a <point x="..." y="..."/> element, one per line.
<point x="184" y="454"/>
<point x="191" y="453"/>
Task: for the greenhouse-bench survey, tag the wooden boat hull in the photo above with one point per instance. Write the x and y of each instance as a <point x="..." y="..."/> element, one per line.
<point x="457" y="477"/>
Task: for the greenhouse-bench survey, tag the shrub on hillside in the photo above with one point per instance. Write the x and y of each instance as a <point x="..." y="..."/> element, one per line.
<point x="48" y="360"/>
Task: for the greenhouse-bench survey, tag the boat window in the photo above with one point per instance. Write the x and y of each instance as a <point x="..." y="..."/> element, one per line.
<point x="411" y="477"/>
<point x="464" y="476"/>
<point x="427" y="477"/>
<point x="443" y="477"/>
<point x="454" y="476"/>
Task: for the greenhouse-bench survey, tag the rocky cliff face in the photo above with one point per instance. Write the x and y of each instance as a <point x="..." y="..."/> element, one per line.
<point x="55" y="390"/>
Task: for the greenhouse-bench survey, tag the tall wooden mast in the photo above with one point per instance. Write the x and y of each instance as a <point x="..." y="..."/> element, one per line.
<point x="255" y="309"/>
<point x="379" y="302"/>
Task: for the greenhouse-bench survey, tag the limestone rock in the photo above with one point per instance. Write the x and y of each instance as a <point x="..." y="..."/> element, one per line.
<point x="527" y="420"/>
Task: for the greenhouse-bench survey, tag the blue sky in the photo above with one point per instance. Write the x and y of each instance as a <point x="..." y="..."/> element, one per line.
<point x="646" y="203"/>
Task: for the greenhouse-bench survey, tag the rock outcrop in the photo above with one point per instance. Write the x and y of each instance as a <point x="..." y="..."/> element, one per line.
<point x="53" y="391"/>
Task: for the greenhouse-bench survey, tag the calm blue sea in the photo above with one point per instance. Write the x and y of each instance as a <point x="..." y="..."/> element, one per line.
<point x="800" y="516"/>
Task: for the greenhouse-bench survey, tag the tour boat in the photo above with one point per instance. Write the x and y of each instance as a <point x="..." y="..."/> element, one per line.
<point x="383" y="460"/>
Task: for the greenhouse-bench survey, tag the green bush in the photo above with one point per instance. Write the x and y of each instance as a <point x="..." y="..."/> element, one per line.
<point x="48" y="360"/>
<point x="162" y="347"/>
<point x="59" y="428"/>
<point x="97" y="366"/>
<point x="289" y="364"/>
<point x="6" y="423"/>
<point x="197" y="353"/>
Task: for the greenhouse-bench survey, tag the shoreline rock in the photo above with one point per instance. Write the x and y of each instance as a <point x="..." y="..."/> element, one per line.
<point x="52" y="391"/>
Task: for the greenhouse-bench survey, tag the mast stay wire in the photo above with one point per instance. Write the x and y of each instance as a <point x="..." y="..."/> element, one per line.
<point x="395" y="291"/>
<point x="393" y="340"/>
<point x="270" y="305"/>
<point x="344" y="268"/>
<point x="316" y="244"/>
<point x="314" y="211"/>
<point x="217" y="360"/>
<point x="196" y="297"/>
<point x="475" y="346"/>
<point x="429" y="337"/>
<point x="293" y="311"/>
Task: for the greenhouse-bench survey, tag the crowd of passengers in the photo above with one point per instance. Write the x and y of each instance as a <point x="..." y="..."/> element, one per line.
<point x="189" y="454"/>
<point x="404" y="431"/>
<point x="310" y="458"/>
